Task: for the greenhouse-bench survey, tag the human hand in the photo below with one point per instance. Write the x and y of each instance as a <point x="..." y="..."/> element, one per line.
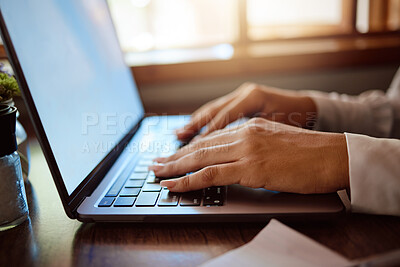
<point x="260" y="154"/>
<point x="250" y="99"/>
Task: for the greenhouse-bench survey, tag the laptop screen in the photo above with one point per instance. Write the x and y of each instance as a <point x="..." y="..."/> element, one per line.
<point x="85" y="95"/>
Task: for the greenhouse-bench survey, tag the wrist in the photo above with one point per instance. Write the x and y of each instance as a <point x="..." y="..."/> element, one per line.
<point x="308" y="109"/>
<point x="336" y="163"/>
<point x="286" y="106"/>
<point x="290" y="108"/>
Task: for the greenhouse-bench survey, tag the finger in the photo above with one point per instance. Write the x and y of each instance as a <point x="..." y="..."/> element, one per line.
<point x="222" y="174"/>
<point x="228" y="130"/>
<point x="197" y="138"/>
<point x="195" y="125"/>
<point x="227" y="115"/>
<point x="199" y="159"/>
<point x="231" y="130"/>
<point x="209" y="141"/>
<point x="203" y="116"/>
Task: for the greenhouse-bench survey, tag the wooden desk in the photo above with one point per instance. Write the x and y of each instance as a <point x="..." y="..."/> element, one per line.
<point x="50" y="238"/>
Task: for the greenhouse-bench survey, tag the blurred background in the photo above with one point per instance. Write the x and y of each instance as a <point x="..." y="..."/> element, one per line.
<point x="184" y="53"/>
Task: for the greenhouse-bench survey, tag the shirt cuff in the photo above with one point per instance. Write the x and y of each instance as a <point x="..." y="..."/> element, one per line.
<point x="374" y="173"/>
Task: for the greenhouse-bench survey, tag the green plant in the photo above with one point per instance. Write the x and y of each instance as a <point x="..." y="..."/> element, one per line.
<point x="8" y="85"/>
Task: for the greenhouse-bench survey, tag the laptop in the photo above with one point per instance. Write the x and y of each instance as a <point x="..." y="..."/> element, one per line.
<point x="92" y="128"/>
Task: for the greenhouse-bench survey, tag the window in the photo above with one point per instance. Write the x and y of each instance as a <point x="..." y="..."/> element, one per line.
<point x="170" y="40"/>
<point x="270" y="19"/>
<point x="175" y="40"/>
<point x="178" y="30"/>
<point x="144" y="25"/>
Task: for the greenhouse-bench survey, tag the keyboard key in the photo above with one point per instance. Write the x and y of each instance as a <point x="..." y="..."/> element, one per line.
<point x="210" y="201"/>
<point x="124" y="202"/>
<point x="106" y="202"/>
<point x="145" y="162"/>
<point x="213" y="191"/>
<point x="129" y="192"/>
<point x="168" y="153"/>
<point x="151" y="188"/>
<point x="138" y="175"/>
<point x="134" y="183"/>
<point x="213" y="196"/>
<point x="168" y="198"/>
<point x="191" y="198"/>
<point x="141" y="169"/>
<point x="116" y="187"/>
<point x="152" y="179"/>
<point x="147" y="199"/>
<point x="149" y="156"/>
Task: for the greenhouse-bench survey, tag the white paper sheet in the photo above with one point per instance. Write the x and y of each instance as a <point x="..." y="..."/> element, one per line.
<point x="279" y="245"/>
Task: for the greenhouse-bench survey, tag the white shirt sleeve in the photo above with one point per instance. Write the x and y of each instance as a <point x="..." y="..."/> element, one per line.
<point x="373" y="113"/>
<point x="374" y="163"/>
<point x="374" y="171"/>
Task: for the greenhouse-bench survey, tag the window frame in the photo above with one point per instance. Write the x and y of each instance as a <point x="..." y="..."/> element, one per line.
<point x="346" y="47"/>
<point x="351" y="48"/>
<point x="346" y="27"/>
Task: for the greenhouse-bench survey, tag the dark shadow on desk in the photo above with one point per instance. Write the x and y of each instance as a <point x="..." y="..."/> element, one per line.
<point x="18" y="245"/>
<point x="32" y="201"/>
<point x="128" y="244"/>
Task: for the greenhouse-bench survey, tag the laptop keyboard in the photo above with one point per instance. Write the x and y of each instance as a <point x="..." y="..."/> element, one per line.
<point x="142" y="189"/>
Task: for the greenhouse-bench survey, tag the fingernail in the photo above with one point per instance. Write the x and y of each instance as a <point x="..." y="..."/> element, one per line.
<point x="168" y="183"/>
<point x="178" y="132"/>
<point x="181" y="131"/>
<point x="155" y="168"/>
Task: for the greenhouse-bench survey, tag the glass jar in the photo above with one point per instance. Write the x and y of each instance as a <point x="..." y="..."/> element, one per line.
<point x="13" y="204"/>
<point x="22" y="142"/>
